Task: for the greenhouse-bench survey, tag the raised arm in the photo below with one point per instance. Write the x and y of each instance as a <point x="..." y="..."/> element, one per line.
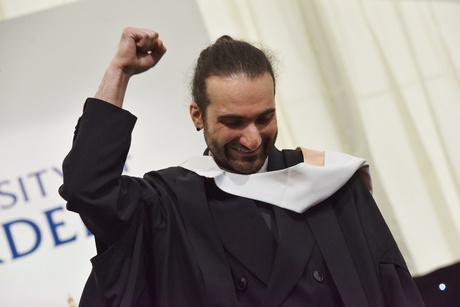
<point x="138" y="51"/>
<point x="93" y="183"/>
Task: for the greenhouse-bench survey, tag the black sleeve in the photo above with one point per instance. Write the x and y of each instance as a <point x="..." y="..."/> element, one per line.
<point x="398" y="287"/>
<point x="93" y="183"/>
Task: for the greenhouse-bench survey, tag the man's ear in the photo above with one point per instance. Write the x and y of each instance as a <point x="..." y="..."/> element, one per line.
<point x="196" y="116"/>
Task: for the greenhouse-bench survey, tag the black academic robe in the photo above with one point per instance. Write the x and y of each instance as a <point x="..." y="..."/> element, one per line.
<point x="173" y="239"/>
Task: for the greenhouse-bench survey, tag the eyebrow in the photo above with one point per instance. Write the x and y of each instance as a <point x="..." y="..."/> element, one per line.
<point x="232" y="116"/>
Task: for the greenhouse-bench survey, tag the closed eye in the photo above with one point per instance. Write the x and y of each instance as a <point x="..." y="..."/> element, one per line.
<point x="233" y="122"/>
<point x="265" y="119"/>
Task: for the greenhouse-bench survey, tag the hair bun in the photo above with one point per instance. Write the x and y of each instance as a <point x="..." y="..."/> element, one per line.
<point x="224" y="39"/>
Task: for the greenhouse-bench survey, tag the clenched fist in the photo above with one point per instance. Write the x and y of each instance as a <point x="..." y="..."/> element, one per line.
<point x="138" y="51"/>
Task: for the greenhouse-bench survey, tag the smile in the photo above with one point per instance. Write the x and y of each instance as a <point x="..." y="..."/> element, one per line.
<point x="246" y="151"/>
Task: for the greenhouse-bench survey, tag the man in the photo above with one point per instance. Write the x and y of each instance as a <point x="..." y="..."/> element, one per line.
<point x="244" y="225"/>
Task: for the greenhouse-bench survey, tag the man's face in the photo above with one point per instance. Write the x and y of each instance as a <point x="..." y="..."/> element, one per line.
<point x="240" y="127"/>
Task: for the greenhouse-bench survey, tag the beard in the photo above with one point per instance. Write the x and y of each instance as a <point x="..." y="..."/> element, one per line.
<point x="228" y="158"/>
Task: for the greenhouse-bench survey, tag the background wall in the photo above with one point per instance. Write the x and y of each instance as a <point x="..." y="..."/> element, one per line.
<point x="378" y="79"/>
<point x="49" y="63"/>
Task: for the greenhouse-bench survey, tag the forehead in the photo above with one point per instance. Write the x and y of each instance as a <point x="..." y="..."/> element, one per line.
<point x="237" y="94"/>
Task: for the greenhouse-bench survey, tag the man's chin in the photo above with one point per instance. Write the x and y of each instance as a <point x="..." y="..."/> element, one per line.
<point x="247" y="167"/>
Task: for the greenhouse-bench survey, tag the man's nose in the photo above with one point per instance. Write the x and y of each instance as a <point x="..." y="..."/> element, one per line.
<point x="250" y="137"/>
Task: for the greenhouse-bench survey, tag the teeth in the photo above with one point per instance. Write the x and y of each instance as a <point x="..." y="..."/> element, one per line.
<point x="243" y="150"/>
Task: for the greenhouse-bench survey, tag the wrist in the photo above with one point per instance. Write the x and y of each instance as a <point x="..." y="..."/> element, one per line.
<point x="113" y="85"/>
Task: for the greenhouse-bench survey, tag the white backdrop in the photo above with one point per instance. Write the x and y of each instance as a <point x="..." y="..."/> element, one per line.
<point x="375" y="79"/>
<point x="49" y="63"/>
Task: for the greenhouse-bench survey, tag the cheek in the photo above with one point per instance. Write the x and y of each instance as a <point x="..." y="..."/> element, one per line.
<point x="224" y="135"/>
<point x="270" y="130"/>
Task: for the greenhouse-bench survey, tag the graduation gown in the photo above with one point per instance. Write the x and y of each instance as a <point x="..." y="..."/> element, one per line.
<point x="173" y="239"/>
